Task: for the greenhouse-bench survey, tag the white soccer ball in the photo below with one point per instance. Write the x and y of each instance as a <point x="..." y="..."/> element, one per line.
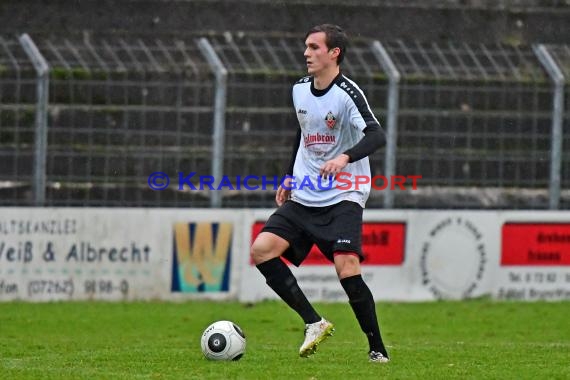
<point x="223" y="340"/>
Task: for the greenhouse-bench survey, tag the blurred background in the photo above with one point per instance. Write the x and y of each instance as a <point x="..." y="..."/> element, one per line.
<point x="97" y="95"/>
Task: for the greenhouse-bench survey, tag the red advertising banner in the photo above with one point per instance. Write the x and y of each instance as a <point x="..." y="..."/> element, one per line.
<point x="537" y="244"/>
<point x="383" y="243"/>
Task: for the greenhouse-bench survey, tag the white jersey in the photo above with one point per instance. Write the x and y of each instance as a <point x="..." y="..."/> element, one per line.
<point x="331" y="121"/>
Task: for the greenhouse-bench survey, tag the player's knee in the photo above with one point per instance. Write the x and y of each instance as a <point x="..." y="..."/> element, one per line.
<point x="347" y="265"/>
<point x="263" y="249"/>
<point x="257" y="252"/>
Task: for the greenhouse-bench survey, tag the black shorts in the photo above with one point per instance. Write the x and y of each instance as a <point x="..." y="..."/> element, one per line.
<point x="332" y="228"/>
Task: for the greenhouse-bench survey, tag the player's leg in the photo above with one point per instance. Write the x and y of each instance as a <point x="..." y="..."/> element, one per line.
<point x="347" y="265"/>
<point x="345" y="247"/>
<point x="286" y="234"/>
<point x="266" y="253"/>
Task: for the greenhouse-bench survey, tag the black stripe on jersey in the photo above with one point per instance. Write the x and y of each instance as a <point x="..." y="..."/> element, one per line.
<point x="358" y="98"/>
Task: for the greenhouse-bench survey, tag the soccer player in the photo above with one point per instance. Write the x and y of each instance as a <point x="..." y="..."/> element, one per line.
<point x="337" y="134"/>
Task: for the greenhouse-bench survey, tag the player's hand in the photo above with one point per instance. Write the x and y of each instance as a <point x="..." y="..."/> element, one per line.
<point x="283" y="192"/>
<point x="332" y="167"/>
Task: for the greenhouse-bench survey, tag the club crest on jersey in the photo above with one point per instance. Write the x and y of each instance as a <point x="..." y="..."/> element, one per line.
<point x="330" y="120"/>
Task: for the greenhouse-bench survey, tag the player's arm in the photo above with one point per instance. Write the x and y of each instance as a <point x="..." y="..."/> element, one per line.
<point x="284" y="191"/>
<point x="361" y="117"/>
<point x="374" y="138"/>
<point x="296" y="145"/>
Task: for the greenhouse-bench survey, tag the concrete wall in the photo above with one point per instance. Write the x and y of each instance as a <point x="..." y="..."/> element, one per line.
<point x="522" y="21"/>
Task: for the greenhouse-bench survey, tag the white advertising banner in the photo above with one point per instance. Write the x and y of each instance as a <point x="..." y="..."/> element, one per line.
<point x="317" y="276"/>
<point x="535" y="256"/>
<point x="431" y="255"/>
<point x="410" y="255"/>
<point x="117" y="254"/>
<point x="173" y="254"/>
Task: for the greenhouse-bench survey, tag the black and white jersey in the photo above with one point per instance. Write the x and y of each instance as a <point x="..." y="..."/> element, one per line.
<point x="331" y="121"/>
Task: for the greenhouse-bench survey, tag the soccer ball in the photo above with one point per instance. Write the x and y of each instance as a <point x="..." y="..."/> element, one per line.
<point x="223" y="340"/>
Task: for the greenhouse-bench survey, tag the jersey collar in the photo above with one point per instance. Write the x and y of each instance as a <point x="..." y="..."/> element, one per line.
<point x="317" y="92"/>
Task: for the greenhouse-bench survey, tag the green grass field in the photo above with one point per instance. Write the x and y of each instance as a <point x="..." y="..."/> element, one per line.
<point x="477" y="339"/>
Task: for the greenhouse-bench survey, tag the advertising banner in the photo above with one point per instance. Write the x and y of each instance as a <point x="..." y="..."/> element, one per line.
<point x="535" y="257"/>
<point x="456" y="254"/>
<point x="116" y="254"/>
<point x="54" y="254"/>
<point x="410" y="255"/>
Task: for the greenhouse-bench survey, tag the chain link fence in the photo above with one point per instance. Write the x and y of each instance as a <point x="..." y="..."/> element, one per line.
<point x="475" y="121"/>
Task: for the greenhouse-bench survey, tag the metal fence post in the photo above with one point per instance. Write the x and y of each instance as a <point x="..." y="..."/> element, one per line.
<point x="557" y="77"/>
<point x="218" y="136"/>
<point x="42" y="89"/>
<point x="392" y="123"/>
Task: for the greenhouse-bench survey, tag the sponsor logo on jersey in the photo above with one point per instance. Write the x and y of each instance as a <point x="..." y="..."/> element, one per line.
<point x="317" y="138"/>
<point x="330" y="120"/>
<point x="302" y="111"/>
<point x="348" y="90"/>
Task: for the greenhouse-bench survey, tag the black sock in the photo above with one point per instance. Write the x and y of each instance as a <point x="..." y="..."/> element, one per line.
<point x="280" y="278"/>
<point x="362" y="304"/>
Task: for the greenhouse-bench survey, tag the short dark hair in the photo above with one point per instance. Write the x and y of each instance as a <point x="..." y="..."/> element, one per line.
<point x="334" y="37"/>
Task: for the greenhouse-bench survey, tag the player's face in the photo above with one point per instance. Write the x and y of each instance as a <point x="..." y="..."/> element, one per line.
<point x="317" y="54"/>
